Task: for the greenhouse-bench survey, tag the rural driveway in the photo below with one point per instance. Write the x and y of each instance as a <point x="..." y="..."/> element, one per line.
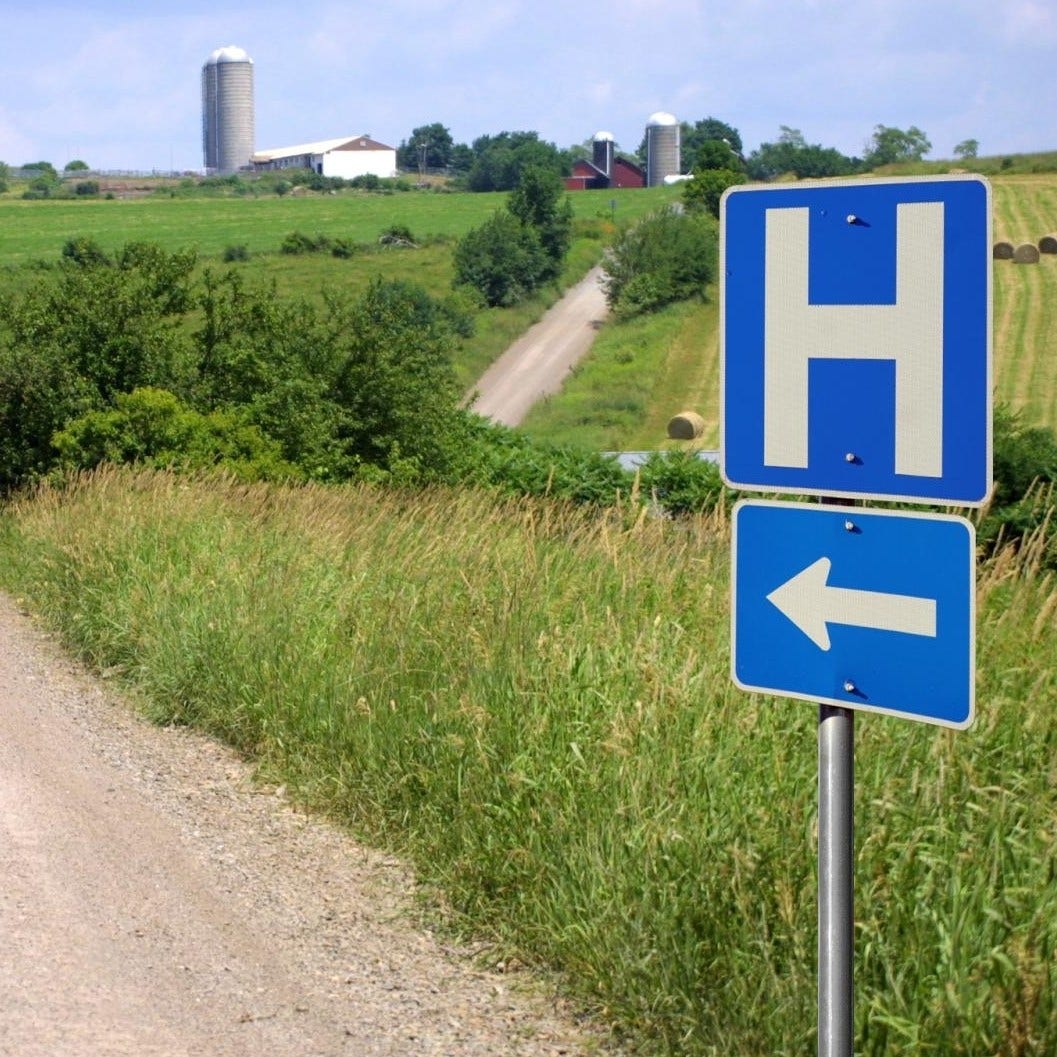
<point x="154" y="902"/>
<point x="537" y="364"/>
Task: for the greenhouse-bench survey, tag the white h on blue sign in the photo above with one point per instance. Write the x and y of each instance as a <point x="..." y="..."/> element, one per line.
<point x="856" y="339"/>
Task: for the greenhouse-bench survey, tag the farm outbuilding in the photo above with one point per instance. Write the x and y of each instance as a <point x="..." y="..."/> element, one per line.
<point x="347" y="157"/>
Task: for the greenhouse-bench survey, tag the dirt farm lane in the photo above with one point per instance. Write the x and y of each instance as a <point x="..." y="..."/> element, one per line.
<point x="537" y="364"/>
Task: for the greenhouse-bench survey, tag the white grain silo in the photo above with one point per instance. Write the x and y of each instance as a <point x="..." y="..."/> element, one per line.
<point x="602" y="147"/>
<point x="662" y="148"/>
<point x="227" y="110"/>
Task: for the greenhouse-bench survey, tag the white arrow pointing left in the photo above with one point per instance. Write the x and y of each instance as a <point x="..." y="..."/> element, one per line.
<point x="811" y="604"/>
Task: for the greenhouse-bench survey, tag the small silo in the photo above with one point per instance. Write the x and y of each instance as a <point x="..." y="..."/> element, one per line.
<point x="602" y="152"/>
<point x="662" y="148"/>
<point x="227" y="110"/>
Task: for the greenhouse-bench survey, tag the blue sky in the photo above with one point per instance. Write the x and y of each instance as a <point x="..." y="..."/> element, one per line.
<point x="117" y="84"/>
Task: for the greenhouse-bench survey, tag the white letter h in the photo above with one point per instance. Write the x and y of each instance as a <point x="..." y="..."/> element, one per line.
<point x="910" y="332"/>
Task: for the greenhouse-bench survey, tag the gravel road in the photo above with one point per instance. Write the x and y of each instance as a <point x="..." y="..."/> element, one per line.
<point x="537" y="364"/>
<point x="155" y="902"/>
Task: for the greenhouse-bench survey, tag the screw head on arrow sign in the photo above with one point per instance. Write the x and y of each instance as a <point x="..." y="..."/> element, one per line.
<point x="879" y="616"/>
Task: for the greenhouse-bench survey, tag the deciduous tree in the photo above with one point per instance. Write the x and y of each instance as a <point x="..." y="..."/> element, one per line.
<point x="540" y="202"/>
<point x="891" y="145"/>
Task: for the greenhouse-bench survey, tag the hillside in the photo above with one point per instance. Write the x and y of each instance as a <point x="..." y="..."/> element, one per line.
<point x="640" y="372"/>
<point x="531" y="702"/>
<point x="643" y="372"/>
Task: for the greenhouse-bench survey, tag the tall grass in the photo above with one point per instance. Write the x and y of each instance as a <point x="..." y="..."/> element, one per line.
<point x="533" y="703"/>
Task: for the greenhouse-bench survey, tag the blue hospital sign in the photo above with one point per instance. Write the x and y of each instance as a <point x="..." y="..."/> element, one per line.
<point x="856" y="339"/>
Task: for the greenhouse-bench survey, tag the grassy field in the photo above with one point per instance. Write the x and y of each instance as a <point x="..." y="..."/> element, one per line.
<point x="1025" y="304"/>
<point x="37" y="230"/>
<point x="533" y="704"/>
<point x="34" y="232"/>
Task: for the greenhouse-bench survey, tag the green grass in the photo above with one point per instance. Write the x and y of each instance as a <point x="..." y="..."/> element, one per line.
<point x="33" y="233"/>
<point x="37" y="230"/>
<point x="533" y="704"/>
<point x="639" y="375"/>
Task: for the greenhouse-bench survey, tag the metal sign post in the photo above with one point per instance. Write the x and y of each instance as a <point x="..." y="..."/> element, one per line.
<point x="836" y="840"/>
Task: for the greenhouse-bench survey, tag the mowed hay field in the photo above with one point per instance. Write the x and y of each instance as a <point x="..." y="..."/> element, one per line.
<point x="1025" y="299"/>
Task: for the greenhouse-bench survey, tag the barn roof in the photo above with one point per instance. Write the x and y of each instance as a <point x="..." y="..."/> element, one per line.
<point x="323" y="146"/>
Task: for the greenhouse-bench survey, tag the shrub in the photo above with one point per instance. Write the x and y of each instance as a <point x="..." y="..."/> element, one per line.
<point x="397" y="235"/>
<point x="153" y="427"/>
<point x="670" y="256"/>
<point x="681" y="483"/>
<point x="236" y="253"/>
<point x="503" y="260"/>
<point x="343" y="248"/>
<point x="299" y="242"/>
<point x="1025" y="469"/>
<point x="506" y="459"/>
<point x="705" y="190"/>
<point x="84" y="250"/>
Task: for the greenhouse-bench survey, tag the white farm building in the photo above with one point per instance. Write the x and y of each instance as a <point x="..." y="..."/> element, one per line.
<point x="347" y="157"/>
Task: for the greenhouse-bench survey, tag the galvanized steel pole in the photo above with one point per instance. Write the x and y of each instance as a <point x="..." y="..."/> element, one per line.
<point x="836" y="841"/>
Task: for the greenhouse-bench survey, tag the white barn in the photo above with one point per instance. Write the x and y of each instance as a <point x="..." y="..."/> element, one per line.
<point x="347" y="157"/>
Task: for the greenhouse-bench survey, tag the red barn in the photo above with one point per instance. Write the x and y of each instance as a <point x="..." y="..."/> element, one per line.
<point x="606" y="169"/>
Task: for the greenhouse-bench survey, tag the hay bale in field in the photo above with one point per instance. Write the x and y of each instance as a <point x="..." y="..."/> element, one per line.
<point x="1026" y="253"/>
<point x="1048" y="244"/>
<point x="687" y="425"/>
<point x="1003" y="251"/>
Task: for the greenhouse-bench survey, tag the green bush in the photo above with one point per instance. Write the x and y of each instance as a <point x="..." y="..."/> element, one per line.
<point x="669" y="256"/>
<point x="343" y="248"/>
<point x="298" y="242"/>
<point x="706" y="188"/>
<point x="503" y="260"/>
<point x="84" y="250"/>
<point x="681" y="483"/>
<point x="155" y="428"/>
<point x="397" y="235"/>
<point x="509" y="461"/>
<point x="236" y="253"/>
<point x="1025" y="469"/>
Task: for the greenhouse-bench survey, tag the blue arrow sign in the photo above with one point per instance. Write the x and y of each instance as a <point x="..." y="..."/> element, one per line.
<point x="856" y="339"/>
<point x="872" y="610"/>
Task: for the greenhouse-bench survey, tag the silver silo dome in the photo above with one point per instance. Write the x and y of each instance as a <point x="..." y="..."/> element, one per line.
<point x="662" y="148"/>
<point x="227" y="109"/>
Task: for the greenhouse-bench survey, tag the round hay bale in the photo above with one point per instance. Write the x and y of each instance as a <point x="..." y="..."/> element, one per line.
<point x="1048" y="244"/>
<point x="1026" y="253"/>
<point x="687" y="425"/>
<point x="1003" y="251"/>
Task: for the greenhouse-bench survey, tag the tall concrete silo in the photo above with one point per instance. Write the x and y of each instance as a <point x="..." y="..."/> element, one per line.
<point x="602" y="147"/>
<point x="227" y="110"/>
<point x="662" y="148"/>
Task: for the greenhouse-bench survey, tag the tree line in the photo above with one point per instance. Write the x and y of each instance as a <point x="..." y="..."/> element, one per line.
<point x="493" y="162"/>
